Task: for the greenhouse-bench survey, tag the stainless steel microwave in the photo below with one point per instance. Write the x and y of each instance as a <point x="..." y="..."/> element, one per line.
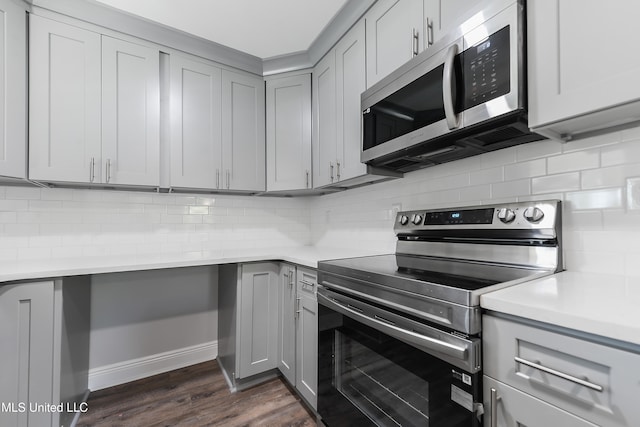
<point x="465" y="95"/>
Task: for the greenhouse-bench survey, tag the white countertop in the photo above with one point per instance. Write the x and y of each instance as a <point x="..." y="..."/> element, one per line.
<point x="604" y="305"/>
<point x="40" y="269"/>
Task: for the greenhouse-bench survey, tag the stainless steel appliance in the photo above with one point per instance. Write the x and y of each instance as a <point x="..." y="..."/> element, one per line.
<point x="399" y="336"/>
<point x="465" y="95"/>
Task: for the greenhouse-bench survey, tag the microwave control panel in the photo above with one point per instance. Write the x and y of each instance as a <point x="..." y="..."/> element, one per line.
<point x="486" y="69"/>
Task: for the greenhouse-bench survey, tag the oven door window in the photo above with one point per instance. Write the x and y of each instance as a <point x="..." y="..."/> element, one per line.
<point x="368" y="378"/>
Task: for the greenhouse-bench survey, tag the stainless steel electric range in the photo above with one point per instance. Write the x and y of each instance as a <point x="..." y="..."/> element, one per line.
<point x="399" y="335"/>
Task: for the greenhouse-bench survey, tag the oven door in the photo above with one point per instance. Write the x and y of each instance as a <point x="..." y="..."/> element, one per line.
<point x="373" y="371"/>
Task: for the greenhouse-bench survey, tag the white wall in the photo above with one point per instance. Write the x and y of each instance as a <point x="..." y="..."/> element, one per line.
<point x="147" y="322"/>
<point x="601" y="231"/>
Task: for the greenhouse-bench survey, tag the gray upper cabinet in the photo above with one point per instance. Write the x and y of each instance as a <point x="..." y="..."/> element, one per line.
<point x="94" y="107"/>
<point x="64" y="102"/>
<point x="196" y="129"/>
<point x="324" y="120"/>
<point x="130" y="113"/>
<point x="243" y="135"/>
<point x="289" y="133"/>
<point x="338" y="81"/>
<point x="350" y="67"/>
<point x="394" y="30"/>
<point x="580" y="81"/>
<point x="26" y="329"/>
<point x="13" y="89"/>
<point x="257" y="319"/>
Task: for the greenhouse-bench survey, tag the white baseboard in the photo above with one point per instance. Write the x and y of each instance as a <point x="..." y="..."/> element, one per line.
<point x="135" y="369"/>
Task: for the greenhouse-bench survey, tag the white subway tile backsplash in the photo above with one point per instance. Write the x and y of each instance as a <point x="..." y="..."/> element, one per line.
<point x="588" y="175"/>
<point x="538" y="150"/>
<point x="556" y="183"/>
<point x="595" y="199"/>
<point x="511" y="188"/>
<point x="573" y="162"/>
<point x="525" y="169"/>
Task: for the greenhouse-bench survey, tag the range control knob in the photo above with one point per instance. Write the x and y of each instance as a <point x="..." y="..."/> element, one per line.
<point x="533" y="214"/>
<point x="506" y="215"/>
<point x="417" y="219"/>
<point x="404" y="220"/>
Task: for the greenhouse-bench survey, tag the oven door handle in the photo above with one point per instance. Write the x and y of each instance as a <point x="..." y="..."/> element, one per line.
<point x="418" y="340"/>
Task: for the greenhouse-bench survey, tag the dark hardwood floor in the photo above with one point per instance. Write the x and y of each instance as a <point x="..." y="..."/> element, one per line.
<point x="195" y="396"/>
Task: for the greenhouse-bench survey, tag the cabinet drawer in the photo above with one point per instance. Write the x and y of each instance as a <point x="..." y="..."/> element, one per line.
<point x="593" y="381"/>
<point x="307" y="280"/>
<point x="515" y="408"/>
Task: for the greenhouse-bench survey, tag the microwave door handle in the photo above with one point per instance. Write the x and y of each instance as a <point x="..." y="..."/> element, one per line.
<point x="453" y="121"/>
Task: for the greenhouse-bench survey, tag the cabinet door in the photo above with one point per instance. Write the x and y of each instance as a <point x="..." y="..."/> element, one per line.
<point x="64" y="102"/>
<point x="393" y="34"/>
<point x="516" y="409"/>
<point x="13" y="89"/>
<point x="130" y="113"/>
<point x="324" y="120"/>
<point x="307" y="337"/>
<point x="289" y="133"/>
<point x="442" y="16"/>
<point x="287" y="323"/>
<point x="258" y="319"/>
<point x="580" y="62"/>
<point x="243" y="142"/>
<point x="196" y="139"/>
<point x="26" y="333"/>
<point x="350" y="83"/>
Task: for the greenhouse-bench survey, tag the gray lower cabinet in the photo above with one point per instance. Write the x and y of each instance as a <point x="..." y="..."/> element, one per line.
<point x="287" y="323"/>
<point x="307" y="336"/>
<point x="298" y="330"/>
<point x="44" y="331"/>
<point x="529" y="365"/>
<point x="247" y="321"/>
<point x="515" y="408"/>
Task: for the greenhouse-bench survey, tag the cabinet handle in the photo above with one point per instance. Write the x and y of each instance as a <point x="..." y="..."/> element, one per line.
<point x="559" y="374"/>
<point x="338" y="171"/>
<point x="217" y="178"/>
<point x="331" y="170"/>
<point x="290" y="278"/>
<point x="92" y="169"/>
<point x="298" y="307"/>
<point x="307" y="179"/>
<point x="305" y="283"/>
<point x="228" y="179"/>
<point x="108" y="167"/>
<point x="414" y="42"/>
<point x="429" y="32"/>
<point x="494" y="407"/>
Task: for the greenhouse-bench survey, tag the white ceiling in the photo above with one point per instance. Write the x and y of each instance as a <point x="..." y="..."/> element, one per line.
<point x="264" y="28"/>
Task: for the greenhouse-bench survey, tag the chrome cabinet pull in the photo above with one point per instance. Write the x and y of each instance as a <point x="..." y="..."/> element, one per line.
<point x="92" y="169"/>
<point x="414" y="42"/>
<point x="429" y="32"/>
<point x="217" y="178"/>
<point x="307" y="284"/>
<point x="331" y="170"/>
<point x="298" y="307"/>
<point x="447" y="88"/>
<point x="291" y="278"/>
<point x="228" y="179"/>
<point x="494" y="407"/>
<point x="338" y="170"/>
<point x="538" y="366"/>
<point x="307" y="179"/>
<point x="108" y="167"/>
